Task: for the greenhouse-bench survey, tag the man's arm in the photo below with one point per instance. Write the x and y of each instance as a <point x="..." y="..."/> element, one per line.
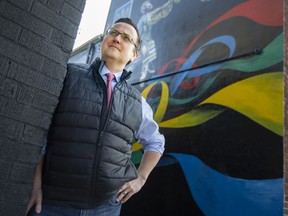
<point x="149" y="161"/>
<point x="153" y="145"/>
<point x="36" y="194"/>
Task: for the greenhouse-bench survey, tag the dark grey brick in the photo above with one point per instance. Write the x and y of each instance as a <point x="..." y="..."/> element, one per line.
<point x="31" y="40"/>
<point x="42" y="46"/>
<point x="34" y="135"/>
<point x="46" y="14"/>
<point x="54" y="19"/>
<point x="71" y="13"/>
<point x="14" y="109"/>
<point x="24" y="75"/>
<point x="26" y="57"/>
<point x="36" y="117"/>
<point x="24" y="4"/>
<point x="22" y="172"/>
<point x="11" y="30"/>
<point x="53" y="69"/>
<point x="68" y="42"/>
<point x="1" y="23"/>
<point x="7" y="48"/>
<point x="3" y="104"/>
<point x="80" y="4"/>
<point x="2" y="7"/>
<point x="36" y="80"/>
<point x="45" y="102"/>
<point x="65" y="41"/>
<point x="26" y="95"/>
<point x="20" y="54"/>
<point x="6" y="146"/>
<point x="43" y="1"/>
<point x="25" y="153"/>
<point x="2" y="44"/>
<point x="41" y="27"/>
<point x="13" y="69"/>
<point x="15" y="14"/>
<point x="51" y="86"/>
<point x="69" y="28"/>
<point x="26" y="20"/>
<point x="19" y="130"/>
<point x="64" y="57"/>
<point x="8" y="87"/>
<point x="8" y="128"/>
<point x="55" y="5"/>
<point x="4" y="65"/>
<point x="51" y="51"/>
<point x="14" y="192"/>
<point x="9" y="209"/>
<point x="57" y="36"/>
<point x="5" y="167"/>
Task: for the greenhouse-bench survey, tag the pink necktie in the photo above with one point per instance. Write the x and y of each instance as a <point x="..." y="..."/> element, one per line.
<point x="110" y="77"/>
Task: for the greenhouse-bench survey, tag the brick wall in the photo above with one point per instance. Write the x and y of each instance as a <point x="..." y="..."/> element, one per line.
<point x="36" y="38"/>
<point x="285" y="25"/>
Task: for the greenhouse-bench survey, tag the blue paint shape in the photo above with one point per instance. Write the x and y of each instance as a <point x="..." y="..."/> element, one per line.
<point x="220" y="195"/>
<point x="228" y="40"/>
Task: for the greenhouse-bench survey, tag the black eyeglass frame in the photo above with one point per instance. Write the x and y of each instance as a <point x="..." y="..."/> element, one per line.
<point x="124" y="36"/>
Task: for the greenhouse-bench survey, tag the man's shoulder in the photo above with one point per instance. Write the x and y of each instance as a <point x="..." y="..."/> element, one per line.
<point x="77" y="67"/>
<point x="134" y="92"/>
<point x="77" y="70"/>
<point x="82" y="68"/>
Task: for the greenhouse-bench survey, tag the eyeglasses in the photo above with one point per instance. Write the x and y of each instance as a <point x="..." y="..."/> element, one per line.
<point x="127" y="38"/>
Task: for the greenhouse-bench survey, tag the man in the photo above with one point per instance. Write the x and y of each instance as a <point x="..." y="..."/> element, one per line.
<point x="87" y="168"/>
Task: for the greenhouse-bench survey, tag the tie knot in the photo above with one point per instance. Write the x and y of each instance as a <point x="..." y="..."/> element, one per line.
<point x="110" y="76"/>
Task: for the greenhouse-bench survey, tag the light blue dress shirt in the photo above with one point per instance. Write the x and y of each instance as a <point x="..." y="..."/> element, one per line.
<point x="148" y="134"/>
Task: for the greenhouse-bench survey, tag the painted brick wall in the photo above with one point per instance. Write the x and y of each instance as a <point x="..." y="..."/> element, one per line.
<point x="36" y="38"/>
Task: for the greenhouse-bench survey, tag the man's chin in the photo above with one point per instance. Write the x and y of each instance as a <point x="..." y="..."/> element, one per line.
<point x="111" y="53"/>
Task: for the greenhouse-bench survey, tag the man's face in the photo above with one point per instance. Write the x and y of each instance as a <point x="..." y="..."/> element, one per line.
<point x="118" y="46"/>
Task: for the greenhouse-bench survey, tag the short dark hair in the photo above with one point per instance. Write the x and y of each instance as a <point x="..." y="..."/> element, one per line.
<point x="130" y="22"/>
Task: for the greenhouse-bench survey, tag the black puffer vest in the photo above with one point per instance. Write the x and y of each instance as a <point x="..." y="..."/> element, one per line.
<point x="89" y="149"/>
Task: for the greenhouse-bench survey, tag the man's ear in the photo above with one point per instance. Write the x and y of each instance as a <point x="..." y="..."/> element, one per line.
<point x="135" y="54"/>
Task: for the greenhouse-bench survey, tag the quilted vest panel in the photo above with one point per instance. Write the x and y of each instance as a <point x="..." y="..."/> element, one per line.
<point x="89" y="149"/>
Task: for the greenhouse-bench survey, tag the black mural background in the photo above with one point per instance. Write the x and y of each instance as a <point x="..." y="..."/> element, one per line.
<point x="237" y="142"/>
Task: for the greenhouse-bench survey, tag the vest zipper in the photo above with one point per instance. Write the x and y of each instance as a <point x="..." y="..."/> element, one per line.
<point x="103" y="122"/>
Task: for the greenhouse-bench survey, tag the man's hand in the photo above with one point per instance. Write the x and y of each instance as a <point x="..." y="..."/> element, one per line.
<point x="149" y="161"/>
<point x="36" y="199"/>
<point x="129" y="189"/>
<point x="36" y="195"/>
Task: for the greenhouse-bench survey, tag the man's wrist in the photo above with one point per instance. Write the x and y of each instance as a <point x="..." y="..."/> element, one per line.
<point x="142" y="179"/>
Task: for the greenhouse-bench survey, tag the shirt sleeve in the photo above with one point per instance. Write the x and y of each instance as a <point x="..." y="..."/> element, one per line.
<point x="148" y="134"/>
<point x="44" y="148"/>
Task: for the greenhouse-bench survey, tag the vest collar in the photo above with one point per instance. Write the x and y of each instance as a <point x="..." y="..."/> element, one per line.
<point x="98" y="64"/>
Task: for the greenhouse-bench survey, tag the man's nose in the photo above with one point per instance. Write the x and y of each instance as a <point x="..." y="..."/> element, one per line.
<point x="118" y="38"/>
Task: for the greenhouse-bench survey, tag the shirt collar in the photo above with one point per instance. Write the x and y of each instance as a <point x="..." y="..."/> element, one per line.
<point x="117" y="75"/>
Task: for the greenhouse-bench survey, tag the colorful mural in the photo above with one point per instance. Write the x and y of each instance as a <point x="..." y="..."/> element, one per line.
<point x="212" y="72"/>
